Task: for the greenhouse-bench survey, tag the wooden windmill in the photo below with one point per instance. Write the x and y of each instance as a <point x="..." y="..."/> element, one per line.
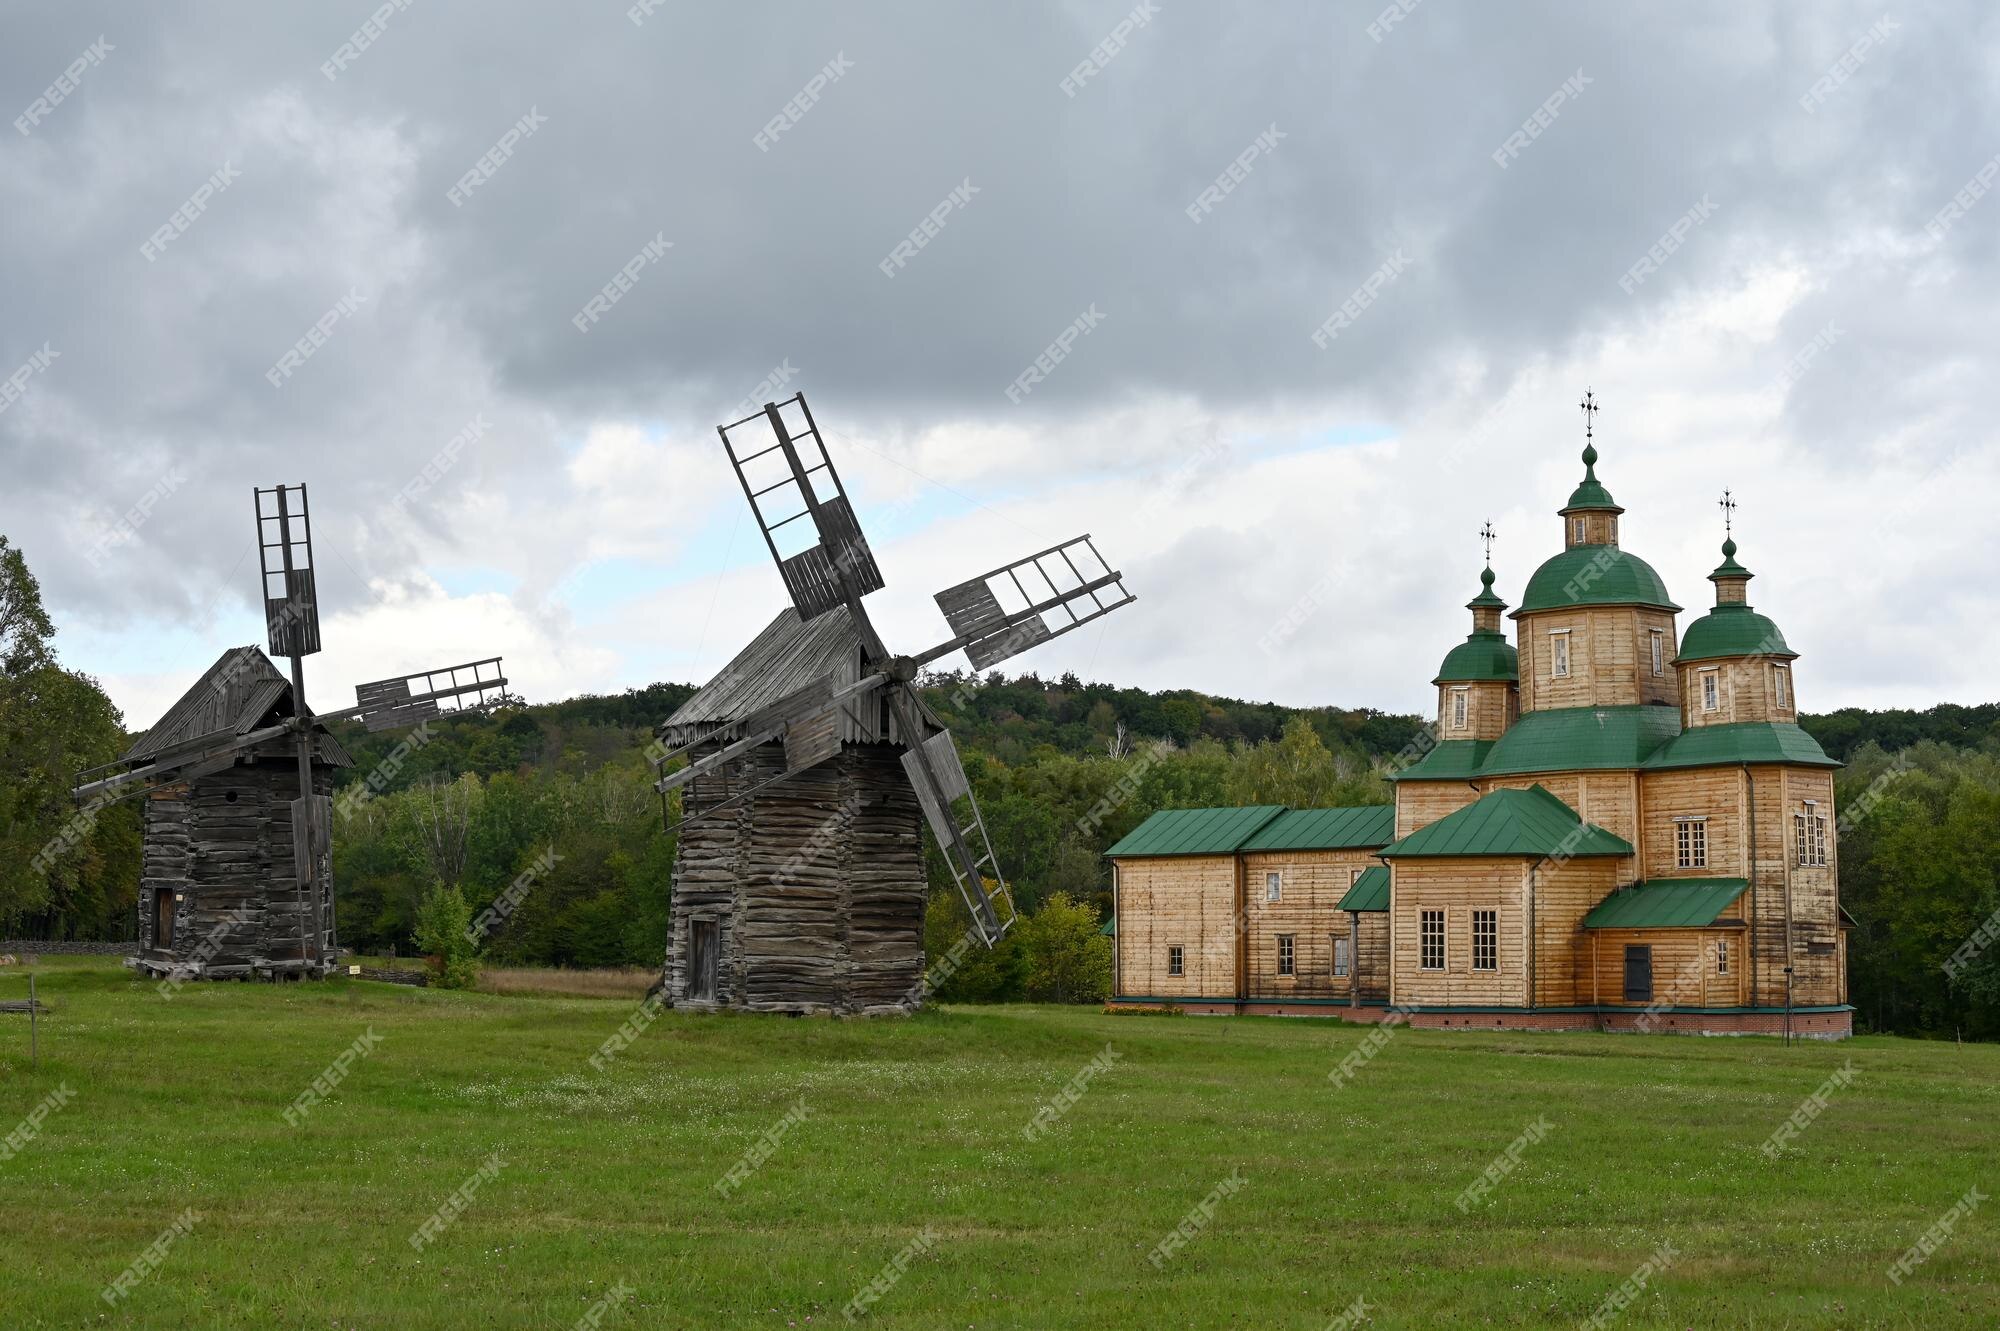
<point x="799" y="885"/>
<point x="236" y="878"/>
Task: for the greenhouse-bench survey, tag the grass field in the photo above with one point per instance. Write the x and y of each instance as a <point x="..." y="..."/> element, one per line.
<point x="606" y="1179"/>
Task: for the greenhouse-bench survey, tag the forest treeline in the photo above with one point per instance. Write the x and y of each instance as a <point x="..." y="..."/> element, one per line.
<point x="549" y="810"/>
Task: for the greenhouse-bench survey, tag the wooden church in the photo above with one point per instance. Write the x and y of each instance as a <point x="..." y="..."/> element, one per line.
<point x="1619" y="824"/>
<point x="218" y="894"/>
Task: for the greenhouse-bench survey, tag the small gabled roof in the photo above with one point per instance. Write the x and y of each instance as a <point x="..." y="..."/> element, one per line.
<point x="1529" y="822"/>
<point x="1327" y="829"/>
<point x="241" y="692"/>
<point x="1370" y="891"/>
<point x="1666" y="903"/>
<point x="1196" y="831"/>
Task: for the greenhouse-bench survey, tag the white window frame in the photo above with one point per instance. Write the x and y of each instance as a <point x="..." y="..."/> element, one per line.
<point x="1343" y="956"/>
<point x="1288" y="956"/>
<point x="1659" y="650"/>
<point x="1809" y="830"/>
<point x="1176" y="959"/>
<point x="1490" y="943"/>
<point x="1558" y="653"/>
<point x="1691" y="841"/>
<point x="1354" y="875"/>
<point x="1461" y="708"/>
<point x="1781" y="687"/>
<point x="1427" y="935"/>
<point x="1274" y="885"/>
<point x="1711" y="689"/>
<point x="1576" y="531"/>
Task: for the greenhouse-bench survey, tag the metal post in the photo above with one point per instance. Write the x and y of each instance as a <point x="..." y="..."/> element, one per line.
<point x="34" y="1039"/>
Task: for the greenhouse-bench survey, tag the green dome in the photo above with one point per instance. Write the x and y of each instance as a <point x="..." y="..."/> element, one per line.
<point x="1591" y="494"/>
<point x="1483" y="656"/>
<point x="1733" y="630"/>
<point x="1594" y="575"/>
<point x="1486" y="596"/>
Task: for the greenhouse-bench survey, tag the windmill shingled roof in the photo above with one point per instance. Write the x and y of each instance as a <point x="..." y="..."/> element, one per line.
<point x="233" y="697"/>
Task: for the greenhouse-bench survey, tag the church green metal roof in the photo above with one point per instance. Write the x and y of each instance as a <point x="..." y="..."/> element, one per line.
<point x="1448" y="760"/>
<point x="1732" y="630"/>
<point x="1370" y="891"/>
<point x="1484" y="655"/>
<point x="1594" y="575"/>
<point x="1196" y="831"/>
<point x="1529" y="822"/>
<point x="1666" y="903"/>
<point x="1570" y="739"/>
<point x="1741" y="742"/>
<point x="1327" y="829"/>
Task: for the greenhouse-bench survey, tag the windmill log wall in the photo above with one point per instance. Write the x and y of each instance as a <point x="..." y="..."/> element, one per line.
<point x="815" y="887"/>
<point x="221" y="843"/>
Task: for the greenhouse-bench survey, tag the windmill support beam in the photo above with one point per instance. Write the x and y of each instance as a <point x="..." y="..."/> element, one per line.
<point x="173" y="766"/>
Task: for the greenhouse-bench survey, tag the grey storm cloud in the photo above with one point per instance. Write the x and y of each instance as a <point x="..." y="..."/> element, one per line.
<point x="1521" y="160"/>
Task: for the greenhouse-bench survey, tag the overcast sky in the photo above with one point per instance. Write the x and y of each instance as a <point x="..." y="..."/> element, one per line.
<point x="1735" y="222"/>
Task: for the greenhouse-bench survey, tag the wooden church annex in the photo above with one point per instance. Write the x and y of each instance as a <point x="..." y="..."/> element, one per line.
<point x="1618" y="826"/>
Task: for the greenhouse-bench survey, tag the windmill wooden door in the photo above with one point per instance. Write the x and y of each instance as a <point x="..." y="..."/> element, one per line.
<point x="163" y="920"/>
<point x="704" y="938"/>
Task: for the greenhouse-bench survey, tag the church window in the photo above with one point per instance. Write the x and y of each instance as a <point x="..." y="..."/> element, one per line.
<point x="1343" y="955"/>
<point x="1576" y="531"/>
<point x="1711" y="690"/>
<point x="1176" y="959"/>
<point x="1659" y="646"/>
<point x="1559" y="647"/>
<point x="1809" y="835"/>
<point x="1691" y="843"/>
<point x="1432" y="938"/>
<point x="1274" y="886"/>
<point x="1458" y="707"/>
<point x="1781" y="687"/>
<point x="1486" y="940"/>
<point x="1285" y="954"/>
<point x="1722" y="956"/>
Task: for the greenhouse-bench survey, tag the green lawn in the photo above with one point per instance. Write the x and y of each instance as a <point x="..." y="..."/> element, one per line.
<point x="609" y="1176"/>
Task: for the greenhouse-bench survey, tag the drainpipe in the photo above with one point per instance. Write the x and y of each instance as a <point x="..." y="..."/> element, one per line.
<point x="1532" y="870"/>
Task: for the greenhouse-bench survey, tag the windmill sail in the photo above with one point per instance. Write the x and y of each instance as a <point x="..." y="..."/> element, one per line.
<point x="939" y="779"/>
<point x="801" y="508"/>
<point x="407" y="700"/>
<point x="284" y="551"/>
<point x="1003" y="613"/>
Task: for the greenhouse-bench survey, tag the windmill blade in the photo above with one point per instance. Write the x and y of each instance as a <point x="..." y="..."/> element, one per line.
<point x="796" y="496"/>
<point x="938" y="778"/>
<point x="407" y="700"/>
<point x="284" y="552"/>
<point x="1003" y="613"/>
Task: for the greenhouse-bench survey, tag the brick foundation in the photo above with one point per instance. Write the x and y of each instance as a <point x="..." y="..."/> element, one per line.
<point x="1817" y="1024"/>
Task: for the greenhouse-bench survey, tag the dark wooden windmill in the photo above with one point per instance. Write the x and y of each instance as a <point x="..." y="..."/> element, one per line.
<point x="800" y="885"/>
<point x="236" y="878"/>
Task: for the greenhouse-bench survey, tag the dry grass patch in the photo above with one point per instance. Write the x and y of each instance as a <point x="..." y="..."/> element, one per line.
<point x="612" y="982"/>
